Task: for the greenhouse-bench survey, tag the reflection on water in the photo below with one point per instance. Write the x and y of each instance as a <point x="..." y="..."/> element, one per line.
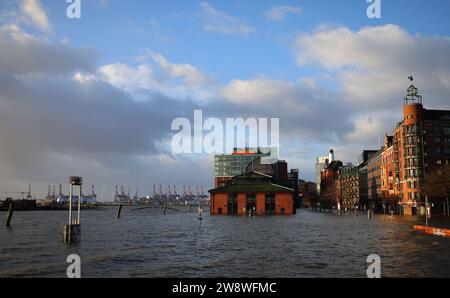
<point x="145" y="243"/>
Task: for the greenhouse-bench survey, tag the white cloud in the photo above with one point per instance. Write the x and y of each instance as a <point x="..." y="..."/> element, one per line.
<point x="369" y="128"/>
<point x="33" y="10"/>
<point x="221" y="22"/>
<point x="179" y="81"/>
<point x="278" y="13"/>
<point x="372" y="64"/>
<point x="257" y="91"/>
<point x="127" y="78"/>
<point x="190" y="74"/>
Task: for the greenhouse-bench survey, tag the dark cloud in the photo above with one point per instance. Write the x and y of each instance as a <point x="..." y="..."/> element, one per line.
<point x="24" y="54"/>
<point x="52" y="124"/>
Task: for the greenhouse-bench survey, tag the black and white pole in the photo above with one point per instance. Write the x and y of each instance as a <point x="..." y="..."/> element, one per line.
<point x="72" y="231"/>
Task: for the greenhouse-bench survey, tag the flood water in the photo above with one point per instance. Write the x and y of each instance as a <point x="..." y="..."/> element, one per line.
<point x="146" y="243"/>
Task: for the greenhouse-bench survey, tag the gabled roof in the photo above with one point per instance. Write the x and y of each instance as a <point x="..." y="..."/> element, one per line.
<point x="253" y="175"/>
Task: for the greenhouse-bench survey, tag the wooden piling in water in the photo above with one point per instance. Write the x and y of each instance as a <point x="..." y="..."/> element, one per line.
<point x="164" y="210"/>
<point x="9" y="216"/>
<point x="119" y="210"/>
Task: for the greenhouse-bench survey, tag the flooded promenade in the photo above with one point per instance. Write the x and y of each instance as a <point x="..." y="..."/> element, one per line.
<point x="146" y="243"/>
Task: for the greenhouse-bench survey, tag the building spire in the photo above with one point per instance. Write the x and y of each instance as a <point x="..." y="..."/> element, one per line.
<point x="412" y="95"/>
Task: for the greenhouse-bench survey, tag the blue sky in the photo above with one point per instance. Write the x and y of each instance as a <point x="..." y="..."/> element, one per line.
<point x="126" y="69"/>
<point x="121" y="30"/>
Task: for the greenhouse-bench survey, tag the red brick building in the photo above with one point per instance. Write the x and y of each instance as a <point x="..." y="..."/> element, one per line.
<point x="254" y="193"/>
<point x="389" y="195"/>
<point x="330" y="189"/>
<point x="421" y="145"/>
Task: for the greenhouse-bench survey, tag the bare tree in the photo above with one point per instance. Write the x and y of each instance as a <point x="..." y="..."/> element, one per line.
<point x="437" y="186"/>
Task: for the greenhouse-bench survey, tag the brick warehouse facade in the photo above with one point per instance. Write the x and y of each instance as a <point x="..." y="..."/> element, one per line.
<point x="253" y="193"/>
<point x="389" y="195"/>
<point x="349" y="185"/>
<point x="374" y="196"/>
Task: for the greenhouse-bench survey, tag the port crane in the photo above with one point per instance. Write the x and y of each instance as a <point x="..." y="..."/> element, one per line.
<point x="23" y="195"/>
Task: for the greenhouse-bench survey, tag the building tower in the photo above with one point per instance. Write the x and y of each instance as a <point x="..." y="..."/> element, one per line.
<point x="408" y="150"/>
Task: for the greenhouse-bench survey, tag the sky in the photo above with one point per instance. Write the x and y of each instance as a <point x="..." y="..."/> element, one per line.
<point x="96" y="96"/>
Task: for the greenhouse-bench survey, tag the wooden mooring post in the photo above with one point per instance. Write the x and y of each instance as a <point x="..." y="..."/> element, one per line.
<point x="119" y="210"/>
<point x="9" y="215"/>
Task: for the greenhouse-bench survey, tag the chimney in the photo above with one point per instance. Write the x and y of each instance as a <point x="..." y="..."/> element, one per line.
<point x="331" y="156"/>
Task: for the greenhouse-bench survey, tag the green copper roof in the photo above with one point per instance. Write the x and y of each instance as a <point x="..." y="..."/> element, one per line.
<point x="267" y="187"/>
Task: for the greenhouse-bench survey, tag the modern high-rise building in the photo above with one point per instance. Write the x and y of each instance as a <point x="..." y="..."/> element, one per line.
<point x="227" y="166"/>
<point x="321" y="164"/>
